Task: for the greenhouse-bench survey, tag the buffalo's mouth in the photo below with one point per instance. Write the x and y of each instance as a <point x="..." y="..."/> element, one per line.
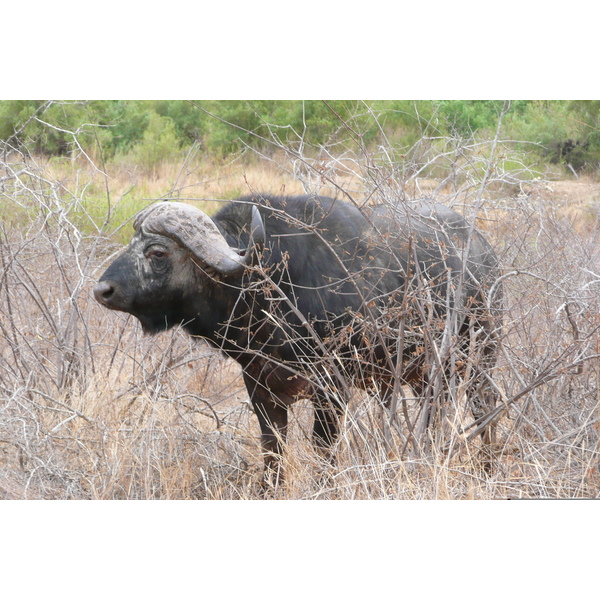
<point x="107" y="294"/>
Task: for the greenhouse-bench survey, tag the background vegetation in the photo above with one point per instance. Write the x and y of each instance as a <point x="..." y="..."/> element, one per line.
<point x="151" y="132"/>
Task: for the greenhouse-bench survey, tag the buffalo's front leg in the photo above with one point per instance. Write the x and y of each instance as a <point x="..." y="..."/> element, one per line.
<point x="273" y="419"/>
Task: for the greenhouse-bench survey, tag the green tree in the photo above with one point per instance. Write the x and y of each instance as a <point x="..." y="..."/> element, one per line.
<point x="466" y="117"/>
<point x="159" y="144"/>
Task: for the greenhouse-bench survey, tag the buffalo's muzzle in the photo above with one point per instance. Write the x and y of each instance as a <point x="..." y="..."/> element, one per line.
<point x="103" y="292"/>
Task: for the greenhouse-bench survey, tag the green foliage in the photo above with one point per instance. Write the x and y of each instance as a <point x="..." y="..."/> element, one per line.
<point x="46" y="128"/>
<point x="124" y="122"/>
<point x="587" y="114"/>
<point x="13" y="114"/>
<point x="317" y="122"/>
<point x="233" y="126"/>
<point x="189" y="122"/>
<point x="159" y="143"/>
<point x="541" y="122"/>
<point x="153" y="131"/>
<point x="466" y="117"/>
<point x="563" y="131"/>
<point x="404" y="122"/>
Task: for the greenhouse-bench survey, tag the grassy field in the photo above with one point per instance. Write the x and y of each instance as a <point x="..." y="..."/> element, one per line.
<point x="91" y="408"/>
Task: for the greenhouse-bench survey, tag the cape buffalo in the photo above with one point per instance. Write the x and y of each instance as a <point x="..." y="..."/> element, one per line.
<point x="312" y="295"/>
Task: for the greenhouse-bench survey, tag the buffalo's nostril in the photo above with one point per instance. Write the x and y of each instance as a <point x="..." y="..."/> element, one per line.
<point x="103" y="292"/>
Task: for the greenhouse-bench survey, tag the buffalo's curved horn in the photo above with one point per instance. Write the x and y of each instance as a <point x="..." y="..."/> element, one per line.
<point x="195" y="230"/>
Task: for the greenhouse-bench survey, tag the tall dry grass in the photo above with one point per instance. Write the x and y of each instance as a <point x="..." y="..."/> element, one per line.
<point x="90" y="408"/>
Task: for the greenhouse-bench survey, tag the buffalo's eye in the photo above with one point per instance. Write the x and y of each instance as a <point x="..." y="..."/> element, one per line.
<point x="156" y="253"/>
<point x="157" y="258"/>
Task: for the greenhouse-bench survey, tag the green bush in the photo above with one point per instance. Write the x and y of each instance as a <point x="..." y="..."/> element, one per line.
<point x="465" y="118"/>
<point x="153" y="131"/>
<point x="587" y="113"/>
<point x="159" y="143"/>
<point x="562" y="132"/>
<point x="189" y="121"/>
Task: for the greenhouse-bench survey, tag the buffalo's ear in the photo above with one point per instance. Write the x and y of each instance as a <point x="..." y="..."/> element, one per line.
<point x="197" y="232"/>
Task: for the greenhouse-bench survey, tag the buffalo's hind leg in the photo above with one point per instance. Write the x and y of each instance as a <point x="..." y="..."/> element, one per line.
<point x="482" y="400"/>
<point x="329" y="411"/>
<point x="481" y="392"/>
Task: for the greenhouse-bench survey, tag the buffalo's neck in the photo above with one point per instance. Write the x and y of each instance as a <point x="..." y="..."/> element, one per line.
<point x="221" y="317"/>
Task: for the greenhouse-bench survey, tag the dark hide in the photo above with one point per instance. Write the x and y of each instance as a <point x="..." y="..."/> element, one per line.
<point x="334" y="297"/>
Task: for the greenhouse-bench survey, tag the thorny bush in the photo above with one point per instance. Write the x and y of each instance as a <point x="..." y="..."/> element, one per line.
<point x="89" y="408"/>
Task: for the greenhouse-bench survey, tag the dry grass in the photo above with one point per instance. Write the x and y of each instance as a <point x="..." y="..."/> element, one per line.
<point x="90" y="408"/>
